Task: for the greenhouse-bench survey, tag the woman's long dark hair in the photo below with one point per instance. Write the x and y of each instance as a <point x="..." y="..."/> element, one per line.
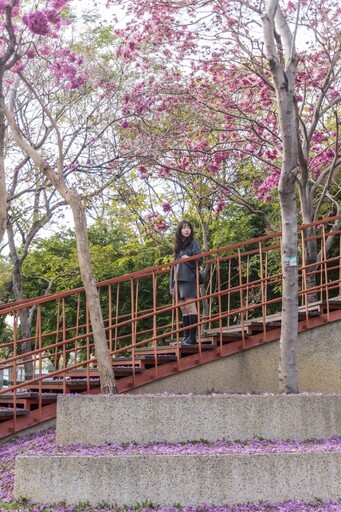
<point x="179" y="241"/>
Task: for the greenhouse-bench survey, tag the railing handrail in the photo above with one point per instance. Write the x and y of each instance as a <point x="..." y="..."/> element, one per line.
<point x="25" y="303"/>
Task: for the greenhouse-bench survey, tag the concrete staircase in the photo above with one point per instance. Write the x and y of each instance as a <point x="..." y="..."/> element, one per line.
<point x="76" y="473"/>
<point x="236" y="359"/>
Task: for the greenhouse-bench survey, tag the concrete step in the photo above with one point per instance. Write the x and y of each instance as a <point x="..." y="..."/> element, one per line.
<point x="186" y="479"/>
<point x="164" y="477"/>
<point x="182" y="418"/>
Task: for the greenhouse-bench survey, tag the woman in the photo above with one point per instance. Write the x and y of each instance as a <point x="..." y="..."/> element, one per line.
<point x="185" y="274"/>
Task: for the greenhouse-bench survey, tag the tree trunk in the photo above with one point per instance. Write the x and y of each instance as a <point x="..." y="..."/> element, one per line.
<point x="6" y="56"/>
<point x="3" y="192"/>
<point x="287" y="196"/>
<point x="204" y="302"/>
<point x="3" y="197"/>
<point x="310" y="249"/>
<point x="24" y="314"/>
<point x="288" y="340"/>
<point x="283" y="67"/>
<point x="108" y="383"/>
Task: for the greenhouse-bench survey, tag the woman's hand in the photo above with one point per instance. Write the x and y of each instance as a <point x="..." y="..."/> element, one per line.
<point x="184" y="256"/>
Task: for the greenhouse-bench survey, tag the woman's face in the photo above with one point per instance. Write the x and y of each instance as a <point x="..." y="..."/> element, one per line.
<point x="186" y="231"/>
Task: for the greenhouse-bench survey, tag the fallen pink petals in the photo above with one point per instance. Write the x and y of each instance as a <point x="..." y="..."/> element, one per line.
<point x="43" y="443"/>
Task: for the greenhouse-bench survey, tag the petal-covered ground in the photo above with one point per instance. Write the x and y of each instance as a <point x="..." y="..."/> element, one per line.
<point x="44" y="443"/>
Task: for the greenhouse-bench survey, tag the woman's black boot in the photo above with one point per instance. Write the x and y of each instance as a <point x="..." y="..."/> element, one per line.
<point x="191" y="339"/>
<point x="185" y="323"/>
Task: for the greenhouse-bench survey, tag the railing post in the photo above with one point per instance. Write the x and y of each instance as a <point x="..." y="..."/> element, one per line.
<point x="110" y="318"/>
<point x="339" y="292"/>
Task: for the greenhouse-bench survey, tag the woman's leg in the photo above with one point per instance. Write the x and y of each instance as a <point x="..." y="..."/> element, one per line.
<point x="192" y="320"/>
<point x="185" y="320"/>
<point x="191" y="307"/>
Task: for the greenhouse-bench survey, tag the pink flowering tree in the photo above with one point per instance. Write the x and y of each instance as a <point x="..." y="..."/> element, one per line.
<point x="259" y="101"/>
<point x="232" y="97"/>
<point x="44" y="87"/>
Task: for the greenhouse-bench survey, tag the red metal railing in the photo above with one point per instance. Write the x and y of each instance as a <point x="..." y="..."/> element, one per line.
<point x="243" y="284"/>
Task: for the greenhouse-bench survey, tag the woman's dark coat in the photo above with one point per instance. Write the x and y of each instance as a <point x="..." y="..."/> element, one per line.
<point x="187" y="271"/>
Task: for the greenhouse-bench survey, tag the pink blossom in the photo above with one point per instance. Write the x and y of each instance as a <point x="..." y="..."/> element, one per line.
<point x="250" y="148"/>
<point x="18" y="67"/>
<point x="219" y="207"/>
<point x="65" y="69"/>
<point x="15" y="8"/>
<point x="161" y="225"/>
<point x="3" y="4"/>
<point x="184" y="163"/>
<point x="270" y="182"/>
<point x="43" y="443"/>
<point x="166" y="206"/>
<point x="143" y="172"/>
<point x="318" y="137"/>
<point x="157" y="222"/>
<point x="52" y="15"/>
<point x="213" y="167"/>
<point x="334" y="94"/>
<point x="45" y="50"/>
<point x="30" y="54"/>
<point x="152" y="215"/>
<point x="72" y="167"/>
<point x="163" y="172"/>
<point x="37" y="22"/>
<point x="270" y="154"/>
<point x="59" y="4"/>
<point x="77" y="81"/>
<point x="41" y="22"/>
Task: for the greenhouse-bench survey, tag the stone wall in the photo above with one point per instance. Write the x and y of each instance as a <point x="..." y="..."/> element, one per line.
<point x="257" y="370"/>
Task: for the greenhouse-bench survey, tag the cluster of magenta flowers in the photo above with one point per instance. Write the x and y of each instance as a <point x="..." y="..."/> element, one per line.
<point x="43" y="443"/>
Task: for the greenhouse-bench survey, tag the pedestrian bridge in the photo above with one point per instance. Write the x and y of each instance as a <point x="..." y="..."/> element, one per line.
<point x="239" y="327"/>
